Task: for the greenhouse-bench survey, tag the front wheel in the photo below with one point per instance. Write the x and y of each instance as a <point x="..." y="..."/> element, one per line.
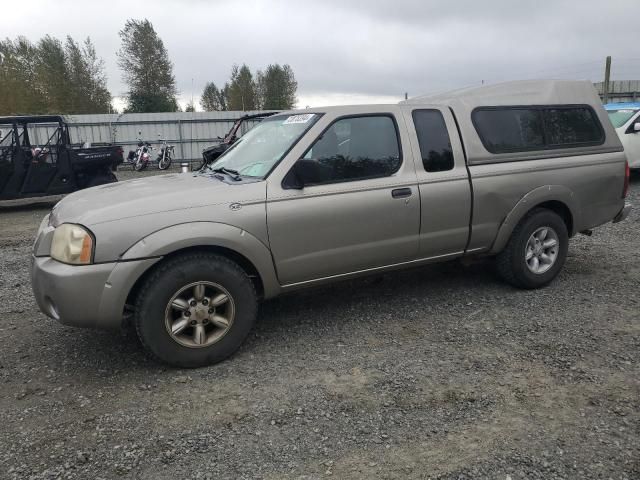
<point x="195" y="310"/>
<point x="164" y="162"/>
<point x="139" y="165"/>
<point x="536" y="250"/>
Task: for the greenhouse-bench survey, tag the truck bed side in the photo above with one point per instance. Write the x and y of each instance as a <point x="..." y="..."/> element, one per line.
<point x="587" y="188"/>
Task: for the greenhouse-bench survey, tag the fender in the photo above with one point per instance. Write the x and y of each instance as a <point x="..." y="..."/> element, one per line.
<point x="535" y="197"/>
<point x="197" y="234"/>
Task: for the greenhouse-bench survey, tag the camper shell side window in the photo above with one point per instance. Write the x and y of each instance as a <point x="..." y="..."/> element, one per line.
<point x="511" y="129"/>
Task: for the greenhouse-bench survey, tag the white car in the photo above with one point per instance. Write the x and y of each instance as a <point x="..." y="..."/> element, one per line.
<point x="626" y="120"/>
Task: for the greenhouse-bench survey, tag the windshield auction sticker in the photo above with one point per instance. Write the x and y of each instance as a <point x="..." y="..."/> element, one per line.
<point x="298" y="118"/>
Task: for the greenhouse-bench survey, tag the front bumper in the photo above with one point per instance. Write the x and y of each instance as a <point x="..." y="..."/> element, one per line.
<point x="85" y="295"/>
<point x="622" y="214"/>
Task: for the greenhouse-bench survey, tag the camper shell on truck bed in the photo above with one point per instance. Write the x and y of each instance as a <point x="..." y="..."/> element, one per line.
<point x="580" y="170"/>
<point x="314" y="196"/>
<point x="468" y="104"/>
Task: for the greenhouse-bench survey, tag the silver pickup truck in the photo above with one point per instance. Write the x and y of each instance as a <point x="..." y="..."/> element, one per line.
<point x="510" y="171"/>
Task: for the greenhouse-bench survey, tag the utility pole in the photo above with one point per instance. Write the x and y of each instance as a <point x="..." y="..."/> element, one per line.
<point x="607" y="76"/>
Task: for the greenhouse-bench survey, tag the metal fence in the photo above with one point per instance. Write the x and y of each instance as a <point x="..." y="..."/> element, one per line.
<point x="189" y="132"/>
<point x="621" y="90"/>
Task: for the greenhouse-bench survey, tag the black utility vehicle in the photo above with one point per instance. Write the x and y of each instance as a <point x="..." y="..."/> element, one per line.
<point x="54" y="165"/>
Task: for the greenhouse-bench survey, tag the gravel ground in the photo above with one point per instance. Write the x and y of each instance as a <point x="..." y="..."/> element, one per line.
<point x="441" y="372"/>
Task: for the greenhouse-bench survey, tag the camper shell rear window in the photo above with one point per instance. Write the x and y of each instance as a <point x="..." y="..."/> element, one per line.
<point x="512" y="129"/>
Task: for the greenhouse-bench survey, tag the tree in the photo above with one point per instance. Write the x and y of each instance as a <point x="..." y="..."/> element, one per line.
<point x="190" y="107"/>
<point x="277" y="87"/>
<point x="242" y="90"/>
<point x="50" y="77"/>
<point x="146" y="69"/>
<point x="18" y="89"/>
<point x="213" y="99"/>
<point x="87" y="80"/>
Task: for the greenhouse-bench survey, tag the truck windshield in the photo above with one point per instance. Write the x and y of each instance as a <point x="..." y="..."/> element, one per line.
<point x="262" y="147"/>
<point x="620" y="117"/>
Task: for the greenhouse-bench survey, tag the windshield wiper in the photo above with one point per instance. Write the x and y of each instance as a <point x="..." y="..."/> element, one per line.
<point x="229" y="171"/>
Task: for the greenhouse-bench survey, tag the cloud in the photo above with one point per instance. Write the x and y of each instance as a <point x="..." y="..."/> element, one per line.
<point x="359" y="49"/>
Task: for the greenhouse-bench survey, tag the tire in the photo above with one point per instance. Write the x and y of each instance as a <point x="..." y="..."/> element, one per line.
<point x="154" y="316"/>
<point x="138" y="166"/>
<point x="102" y="179"/>
<point x="164" y="164"/>
<point x="516" y="263"/>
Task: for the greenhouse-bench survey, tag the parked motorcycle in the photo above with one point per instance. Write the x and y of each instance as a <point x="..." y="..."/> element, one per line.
<point x="143" y="156"/>
<point x="166" y="155"/>
<point x="140" y="158"/>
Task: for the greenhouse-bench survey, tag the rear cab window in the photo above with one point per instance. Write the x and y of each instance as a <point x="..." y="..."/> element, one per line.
<point x="519" y="129"/>
<point x="433" y="140"/>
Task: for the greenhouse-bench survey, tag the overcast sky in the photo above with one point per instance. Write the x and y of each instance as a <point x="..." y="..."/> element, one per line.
<point x="357" y="51"/>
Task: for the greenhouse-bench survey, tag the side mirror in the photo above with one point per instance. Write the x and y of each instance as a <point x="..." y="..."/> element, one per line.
<point x="636" y="127"/>
<point x="293" y="179"/>
<point x="306" y="172"/>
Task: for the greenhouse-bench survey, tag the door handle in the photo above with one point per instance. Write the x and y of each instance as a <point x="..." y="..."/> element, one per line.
<point x="401" y="192"/>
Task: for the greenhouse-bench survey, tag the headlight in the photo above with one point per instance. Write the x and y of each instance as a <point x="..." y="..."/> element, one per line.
<point x="72" y="244"/>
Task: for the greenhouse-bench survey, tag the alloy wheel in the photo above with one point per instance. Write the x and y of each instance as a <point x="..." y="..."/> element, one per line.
<point x="541" y="250"/>
<point x="199" y="314"/>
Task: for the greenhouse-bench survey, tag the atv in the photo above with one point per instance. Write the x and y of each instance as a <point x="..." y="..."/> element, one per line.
<point x="55" y="167"/>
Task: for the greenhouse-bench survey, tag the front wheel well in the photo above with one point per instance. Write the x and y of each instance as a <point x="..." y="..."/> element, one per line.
<point x="232" y="255"/>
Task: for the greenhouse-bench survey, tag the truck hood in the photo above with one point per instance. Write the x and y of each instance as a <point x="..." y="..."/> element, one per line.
<point x="144" y="196"/>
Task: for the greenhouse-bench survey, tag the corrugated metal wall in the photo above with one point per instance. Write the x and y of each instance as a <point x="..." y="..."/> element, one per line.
<point x="621" y="90"/>
<point x="189" y="132"/>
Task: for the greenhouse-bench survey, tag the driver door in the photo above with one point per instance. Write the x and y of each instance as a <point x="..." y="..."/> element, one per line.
<point x="359" y="209"/>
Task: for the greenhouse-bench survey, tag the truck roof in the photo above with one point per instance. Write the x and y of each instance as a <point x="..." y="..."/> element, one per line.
<point x="521" y="92"/>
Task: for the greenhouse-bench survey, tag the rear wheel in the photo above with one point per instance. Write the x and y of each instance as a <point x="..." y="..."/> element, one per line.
<point x="195" y="309"/>
<point x="536" y="250"/>
<point x="101" y="179"/>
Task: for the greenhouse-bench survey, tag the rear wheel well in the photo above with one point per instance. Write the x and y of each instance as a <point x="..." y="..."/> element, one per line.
<point x="561" y="210"/>
<point x="232" y="255"/>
